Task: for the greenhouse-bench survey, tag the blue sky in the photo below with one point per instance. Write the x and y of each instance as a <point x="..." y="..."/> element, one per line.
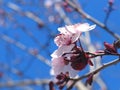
<point x="40" y="39"/>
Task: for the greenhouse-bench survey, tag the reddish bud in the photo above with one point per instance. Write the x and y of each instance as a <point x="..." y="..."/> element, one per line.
<point x="111" y="2"/>
<point x="77" y="65"/>
<point x="1" y="74"/>
<point x="68" y="9"/>
<point x="60" y="76"/>
<point x="99" y="51"/>
<point x="90" y="62"/>
<point x="79" y="62"/>
<point x="34" y="51"/>
<point x="110" y="48"/>
<point x="51" y="86"/>
<point x="90" y="79"/>
<point x="62" y="79"/>
<point x="65" y="4"/>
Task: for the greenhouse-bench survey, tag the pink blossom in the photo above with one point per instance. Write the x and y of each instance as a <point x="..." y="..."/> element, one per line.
<point x="76" y="28"/>
<point x="62" y="50"/>
<point x="66" y="39"/>
<point x="70" y="34"/>
<point x="59" y="66"/>
<point x="63" y="59"/>
<point x="63" y="39"/>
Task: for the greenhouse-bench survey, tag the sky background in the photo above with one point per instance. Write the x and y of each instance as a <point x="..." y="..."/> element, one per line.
<point x="38" y="39"/>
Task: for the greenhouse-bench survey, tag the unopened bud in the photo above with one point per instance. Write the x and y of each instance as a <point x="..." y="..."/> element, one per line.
<point x="1" y="74"/>
<point x="111" y="2"/>
<point x="51" y="86"/>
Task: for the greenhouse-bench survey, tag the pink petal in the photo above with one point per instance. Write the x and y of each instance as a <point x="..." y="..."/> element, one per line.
<point x="61" y="50"/>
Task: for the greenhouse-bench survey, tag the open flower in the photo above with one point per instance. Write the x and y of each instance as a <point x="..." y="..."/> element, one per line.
<point x="69" y="57"/>
<point x="63" y="39"/>
<point x="71" y="33"/>
<point x="76" y="28"/>
<point x="59" y="65"/>
<point x="62" y="50"/>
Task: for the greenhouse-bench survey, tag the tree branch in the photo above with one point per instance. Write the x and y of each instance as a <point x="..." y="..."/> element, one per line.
<point x="94" y="72"/>
<point x="24" y="48"/>
<point x="87" y="16"/>
<point x="27" y="13"/>
<point x="24" y="83"/>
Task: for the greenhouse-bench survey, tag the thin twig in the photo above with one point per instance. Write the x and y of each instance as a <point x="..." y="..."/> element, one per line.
<point x="24" y="83"/>
<point x="27" y="13"/>
<point x="24" y="48"/>
<point x="87" y="16"/>
<point x="102" y="54"/>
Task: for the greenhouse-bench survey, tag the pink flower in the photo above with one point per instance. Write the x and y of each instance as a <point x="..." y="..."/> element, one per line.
<point x="59" y="66"/>
<point x="76" y="28"/>
<point x="62" y="50"/>
<point x="63" y="39"/>
<point x="70" y="34"/>
<point x="67" y="58"/>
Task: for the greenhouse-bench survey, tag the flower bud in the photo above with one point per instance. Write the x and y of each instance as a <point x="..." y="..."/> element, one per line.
<point x="111" y="2"/>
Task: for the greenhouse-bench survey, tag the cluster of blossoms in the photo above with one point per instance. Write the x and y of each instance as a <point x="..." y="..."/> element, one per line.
<point x="70" y="57"/>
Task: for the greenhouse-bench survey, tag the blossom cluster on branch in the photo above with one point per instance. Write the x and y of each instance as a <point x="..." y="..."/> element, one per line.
<point x="70" y="57"/>
<point x="66" y="57"/>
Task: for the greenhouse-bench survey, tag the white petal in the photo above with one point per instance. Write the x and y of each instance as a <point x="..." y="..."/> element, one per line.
<point x="75" y="37"/>
<point x="58" y="65"/>
<point x="84" y="27"/>
<point x="62" y="30"/>
<point x="61" y="50"/>
<point x="70" y="29"/>
<point x="52" y="72"/>
<point x="72" y="72"/>
<point x="92" y="27"/>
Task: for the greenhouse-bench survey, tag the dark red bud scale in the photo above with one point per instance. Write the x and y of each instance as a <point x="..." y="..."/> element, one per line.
<point x="51" y="86"/>
<point x="89" y="79"/>
<point x="111" y="2"/>
<point x="78" y="65"/>
<point x="62" y="79"/>
<point x="90" y="62"/>
<point x="110" y="47"/>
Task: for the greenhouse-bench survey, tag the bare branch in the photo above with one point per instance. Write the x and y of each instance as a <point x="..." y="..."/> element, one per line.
<point x="24" y="83"/>
<point x="27" y="13"/>
<point x="94" y="72"/>
<point x="24" y="48"/>
<point x="62" y="14"/>
<point x="87" y="16"/>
